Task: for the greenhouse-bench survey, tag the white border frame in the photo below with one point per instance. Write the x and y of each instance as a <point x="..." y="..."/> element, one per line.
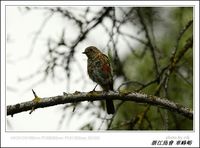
<point x="88" y="139"/>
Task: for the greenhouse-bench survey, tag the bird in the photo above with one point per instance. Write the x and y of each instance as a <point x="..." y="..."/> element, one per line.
<point x="99" y="70"/>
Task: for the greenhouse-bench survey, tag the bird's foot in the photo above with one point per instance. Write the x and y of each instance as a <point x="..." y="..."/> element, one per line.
<point x="92" y="94"/>
<point x="95" y="87"/>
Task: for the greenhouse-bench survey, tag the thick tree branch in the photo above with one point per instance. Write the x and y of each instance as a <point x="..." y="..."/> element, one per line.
<point x="83" y="96"/>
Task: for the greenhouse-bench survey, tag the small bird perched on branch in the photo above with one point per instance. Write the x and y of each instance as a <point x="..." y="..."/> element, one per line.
<point x="99" y="70"/>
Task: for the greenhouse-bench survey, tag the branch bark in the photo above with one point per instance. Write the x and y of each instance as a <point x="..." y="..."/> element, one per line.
<point x="97" y="96"/>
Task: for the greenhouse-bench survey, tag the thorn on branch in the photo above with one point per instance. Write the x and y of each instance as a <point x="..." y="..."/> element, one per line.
<point x="34" y="93"/>
<point x="31" y="110"/>
<point x="35" y="100"/>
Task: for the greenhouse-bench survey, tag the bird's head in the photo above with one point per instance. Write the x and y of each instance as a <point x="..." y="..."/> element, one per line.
<point x="91" y="51"/>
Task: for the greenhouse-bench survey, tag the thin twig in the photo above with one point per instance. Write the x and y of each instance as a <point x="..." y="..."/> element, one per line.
<point x="37" y="34"/>
<point x="150" y="44"/>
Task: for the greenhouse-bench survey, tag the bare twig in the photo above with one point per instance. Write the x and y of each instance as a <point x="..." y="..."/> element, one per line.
<point x="150" y="44"/>
<point x="37" y="34"/>
<point x="69" y="56"/>
<point x="180" y="36"/>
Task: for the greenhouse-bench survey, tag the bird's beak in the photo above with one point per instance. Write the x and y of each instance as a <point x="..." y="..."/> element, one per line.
<point x="84" y="52"/>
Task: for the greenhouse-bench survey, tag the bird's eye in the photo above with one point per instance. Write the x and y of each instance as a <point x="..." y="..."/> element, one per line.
<point x="90" y="50"/>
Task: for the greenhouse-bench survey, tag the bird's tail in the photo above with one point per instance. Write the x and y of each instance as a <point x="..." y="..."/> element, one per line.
<point x="110" y="107"/>
<point x="109" y="103"/>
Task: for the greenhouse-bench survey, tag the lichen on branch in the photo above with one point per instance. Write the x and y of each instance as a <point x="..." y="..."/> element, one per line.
<point x="99" y="96"/>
